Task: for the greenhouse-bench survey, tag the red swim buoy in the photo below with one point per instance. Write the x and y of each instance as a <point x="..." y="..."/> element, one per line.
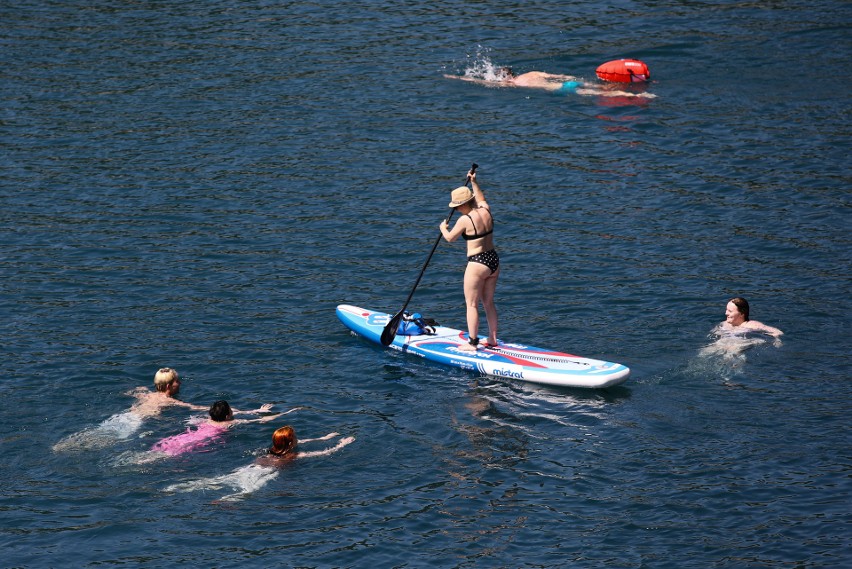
<point x="624" y="71"/>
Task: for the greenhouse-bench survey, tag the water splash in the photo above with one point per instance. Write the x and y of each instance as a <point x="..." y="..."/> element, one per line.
<point x="137" y="458"/>
<point x="116" y="428"/>
<point x="725" y="356"/>
<point x="480" y="66"/>
<point x="732" y="344"/>
<point x="245" y="480"/>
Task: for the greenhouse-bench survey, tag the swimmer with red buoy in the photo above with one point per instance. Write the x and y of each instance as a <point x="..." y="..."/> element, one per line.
<point x="613" y="71"/>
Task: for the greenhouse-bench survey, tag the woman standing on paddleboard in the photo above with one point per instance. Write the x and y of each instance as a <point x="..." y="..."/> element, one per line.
<point x="476" y="226"/>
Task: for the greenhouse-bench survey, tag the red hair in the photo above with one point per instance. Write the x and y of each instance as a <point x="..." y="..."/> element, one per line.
<point x="283" y="441"/>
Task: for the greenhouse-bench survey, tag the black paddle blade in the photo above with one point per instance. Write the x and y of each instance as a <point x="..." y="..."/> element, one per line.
<point x="389" y="333"/>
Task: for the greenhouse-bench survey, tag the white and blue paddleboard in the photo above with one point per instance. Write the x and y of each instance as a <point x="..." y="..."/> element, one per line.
<point x="515" y="361"/>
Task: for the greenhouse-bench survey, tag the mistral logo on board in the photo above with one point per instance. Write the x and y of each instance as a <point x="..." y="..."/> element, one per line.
<point x="508" y="373"/>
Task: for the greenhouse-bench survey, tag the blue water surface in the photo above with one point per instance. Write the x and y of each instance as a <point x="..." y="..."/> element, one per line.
<point x="199" y="184"/>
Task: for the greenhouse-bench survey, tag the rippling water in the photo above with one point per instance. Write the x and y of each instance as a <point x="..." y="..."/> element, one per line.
<point x="198" y="185"/>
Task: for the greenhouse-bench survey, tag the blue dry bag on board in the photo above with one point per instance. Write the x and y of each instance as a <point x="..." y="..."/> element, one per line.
<point x="416" y="325"/>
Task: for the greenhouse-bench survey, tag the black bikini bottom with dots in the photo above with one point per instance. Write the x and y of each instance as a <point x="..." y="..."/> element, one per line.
<point x="488" y="258"/>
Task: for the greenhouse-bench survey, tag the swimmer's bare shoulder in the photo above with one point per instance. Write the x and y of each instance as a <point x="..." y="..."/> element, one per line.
<point x="151" y="403"/>
<point x="272" y="461"/>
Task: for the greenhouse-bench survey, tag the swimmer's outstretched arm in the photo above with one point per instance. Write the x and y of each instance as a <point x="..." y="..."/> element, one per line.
<point x="475" y="80"/>
<point x="265" y="408"/>
<point x="264" y="419"/>
<point x="343" y="442"/>
<point x="325" y="438"/>
<point x="766" y="329"/>
<point x="463" y="78"/>
<point x="190" y="405"/>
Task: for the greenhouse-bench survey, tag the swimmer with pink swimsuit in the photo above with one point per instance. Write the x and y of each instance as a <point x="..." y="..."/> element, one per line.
<point x="221" y="419"/>
<point x="190" y="440"/>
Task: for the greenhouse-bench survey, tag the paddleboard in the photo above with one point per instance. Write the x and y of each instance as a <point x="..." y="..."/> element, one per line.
<point x="506" y="360"/>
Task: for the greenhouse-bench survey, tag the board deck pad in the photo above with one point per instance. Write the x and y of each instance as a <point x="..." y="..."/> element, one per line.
<point x="506" y="360"/>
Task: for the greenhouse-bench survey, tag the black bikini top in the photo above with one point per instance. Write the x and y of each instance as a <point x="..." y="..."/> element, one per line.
<point x="467" y="237"/>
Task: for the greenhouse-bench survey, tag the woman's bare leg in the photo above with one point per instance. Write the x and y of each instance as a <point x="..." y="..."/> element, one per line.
<point x="487" y="297"/>
<point x="475" y="276"/>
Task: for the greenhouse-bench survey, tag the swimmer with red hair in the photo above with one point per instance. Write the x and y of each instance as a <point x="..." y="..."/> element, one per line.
<point x="284" y="443"/>
<point x="251" y="477"/>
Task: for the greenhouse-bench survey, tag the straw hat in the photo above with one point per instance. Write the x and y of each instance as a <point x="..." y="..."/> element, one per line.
<point x="461" y="195"/>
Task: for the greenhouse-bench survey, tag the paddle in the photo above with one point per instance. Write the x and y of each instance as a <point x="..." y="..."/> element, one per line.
<point x="389" y="333"/>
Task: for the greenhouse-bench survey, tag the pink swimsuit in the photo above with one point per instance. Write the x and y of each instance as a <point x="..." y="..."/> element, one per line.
<point x="190" y="440"/>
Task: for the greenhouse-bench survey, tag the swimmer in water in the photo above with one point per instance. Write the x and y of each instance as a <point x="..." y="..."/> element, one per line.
<point x="221" y="419"/>
<point x="732" y="335"/>
<point x="123" y="425"/>
<point x="284" y="444"/>
<point x="737" y="319"/>
<point x="166" y="388"/>
<point x="548" y="82"/>
<point x="167" y="384"/>
<point x="252" y="477"/>
<point x="148" y="404"/>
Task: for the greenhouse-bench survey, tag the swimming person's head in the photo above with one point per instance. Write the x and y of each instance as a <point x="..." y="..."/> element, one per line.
<point x="167" y="380"/>
<point x="283" y="441"/>
<point x="506" y="73"/>
<point x="742" y="306"/>
<point x="221" y="411"/>
<point x="736" y="311"/>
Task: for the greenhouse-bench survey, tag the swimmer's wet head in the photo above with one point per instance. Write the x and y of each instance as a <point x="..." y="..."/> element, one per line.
<point x="221" y="411"/>
<point x="741" y="306"/>
<point x="283" y="441"/>
<point x="506" y="73"/>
